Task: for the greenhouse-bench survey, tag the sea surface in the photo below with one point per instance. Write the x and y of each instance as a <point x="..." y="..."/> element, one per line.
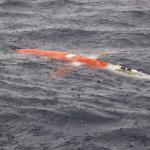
<point x="87" y="109"/>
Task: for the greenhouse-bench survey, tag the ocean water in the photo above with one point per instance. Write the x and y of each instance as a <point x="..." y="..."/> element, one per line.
<point x="86" y="109"/>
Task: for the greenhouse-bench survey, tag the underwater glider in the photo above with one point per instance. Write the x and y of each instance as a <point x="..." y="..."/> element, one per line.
<point x="89" y="60"/>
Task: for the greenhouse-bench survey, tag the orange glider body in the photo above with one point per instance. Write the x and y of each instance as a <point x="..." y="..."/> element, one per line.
<point x="61" y="55"/>
<point x="77" y="60"/>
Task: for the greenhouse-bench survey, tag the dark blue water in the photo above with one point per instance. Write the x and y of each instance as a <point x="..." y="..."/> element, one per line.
<point x="87" y="109"/>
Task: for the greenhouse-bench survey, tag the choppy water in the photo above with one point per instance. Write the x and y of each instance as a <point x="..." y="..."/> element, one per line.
<point x="87" y="109"/>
